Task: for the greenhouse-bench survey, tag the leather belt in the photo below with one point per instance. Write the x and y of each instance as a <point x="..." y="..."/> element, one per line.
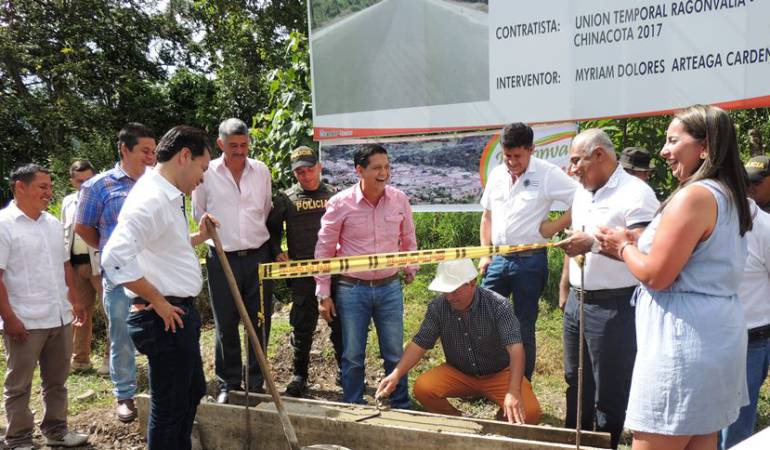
<point x="370" y="283"/>
<point x="176" y="301"/>
<point x="525" y="253"/>
<point x="759" y="333"/>
<point x="80" y="259"/>
<point x="599" y="295"/>
<point x="242" y="253"/>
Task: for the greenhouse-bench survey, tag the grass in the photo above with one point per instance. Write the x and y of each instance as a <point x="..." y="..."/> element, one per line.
<point x="548" y="381"/>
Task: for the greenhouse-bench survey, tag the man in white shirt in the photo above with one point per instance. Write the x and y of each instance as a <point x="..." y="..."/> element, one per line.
<point x="517" y="198"/>
<point x="753" y="292"/>
<point x="237" y="191"/>
<point x="151" y="254"/>
<point x="35" y="314"/>
<point x="610" y="197"/>
<point x="84" y="260"/>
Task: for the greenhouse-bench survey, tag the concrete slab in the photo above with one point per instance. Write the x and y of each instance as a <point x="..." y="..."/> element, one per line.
<point x="351" y="426"/>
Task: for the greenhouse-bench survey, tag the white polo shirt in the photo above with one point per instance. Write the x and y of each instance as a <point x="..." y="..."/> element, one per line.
<point x="241" y="209"/>
<point x="754" y="289"/>
<point x="32" y="258"/>
<point x="519" y="208"/>
<point x="152" y="241"/>
<point x="623" y="201"/>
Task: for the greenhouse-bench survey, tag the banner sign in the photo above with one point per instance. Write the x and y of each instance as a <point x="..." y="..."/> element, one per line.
<point x="445" y="173"/>
<point x="384" y="67"/>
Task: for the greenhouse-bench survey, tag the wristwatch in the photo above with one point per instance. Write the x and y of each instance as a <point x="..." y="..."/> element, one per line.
<point x="596" y="246"/>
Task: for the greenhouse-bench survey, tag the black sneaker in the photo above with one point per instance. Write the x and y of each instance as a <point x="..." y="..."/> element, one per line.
<point x="297" y="387"/>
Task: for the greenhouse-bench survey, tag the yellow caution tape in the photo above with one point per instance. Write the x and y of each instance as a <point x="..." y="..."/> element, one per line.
<point x="362" y="263"/>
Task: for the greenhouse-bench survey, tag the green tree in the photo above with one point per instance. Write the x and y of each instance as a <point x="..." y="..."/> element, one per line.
<point x="288" y="122"/>
<point x="72" y="72"/>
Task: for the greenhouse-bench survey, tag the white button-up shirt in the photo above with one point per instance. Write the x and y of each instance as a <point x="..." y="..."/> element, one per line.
<point x="72" y="242"/>
<point x="519" y="208"/>
<point x="152" y="241"/>
<point x="623" y="201"/>
<point x="242" y="212"/>
<point x="754" y="290"/>
<point x="32" y="258"/>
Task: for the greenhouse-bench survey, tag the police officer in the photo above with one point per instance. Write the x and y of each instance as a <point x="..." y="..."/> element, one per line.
<point x="301" y="207"/>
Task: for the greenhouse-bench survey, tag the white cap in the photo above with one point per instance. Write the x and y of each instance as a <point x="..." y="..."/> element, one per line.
<point x="450" y="275"/>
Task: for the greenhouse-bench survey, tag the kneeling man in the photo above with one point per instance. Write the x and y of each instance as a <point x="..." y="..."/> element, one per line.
<point x="482" y="343"/>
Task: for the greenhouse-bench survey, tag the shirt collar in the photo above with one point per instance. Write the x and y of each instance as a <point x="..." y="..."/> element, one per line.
<point x="120" y="173"/>
<point x="358" y="193"/>
<point x="219" y="164"/>
<point x="171" y="191"/>
<point x="16" y="212"/>
<point x="612" y="181"/>
<point x="531" y="169"/>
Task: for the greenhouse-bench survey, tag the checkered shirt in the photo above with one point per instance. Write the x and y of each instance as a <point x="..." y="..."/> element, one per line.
<point x="476" y="346"/>
<point x="101" y="198"/>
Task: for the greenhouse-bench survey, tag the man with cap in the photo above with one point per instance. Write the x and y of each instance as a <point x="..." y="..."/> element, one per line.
<point x="482" y="343"/>
<point x="758" y="169"/>
<point x="637" y="161"/>
<point x="753" y="290"/>
<point x="301" y="207"/>
<point x="237" y="190"/>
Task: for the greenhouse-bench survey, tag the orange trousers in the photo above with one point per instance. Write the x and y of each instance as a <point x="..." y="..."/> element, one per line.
<point x="433" y="387"/>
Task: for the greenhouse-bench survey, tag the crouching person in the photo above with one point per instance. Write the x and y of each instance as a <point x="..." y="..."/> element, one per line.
<point x="35" y="316"/>
<point x="482" y="343"/>
<point x="151" y="254"/>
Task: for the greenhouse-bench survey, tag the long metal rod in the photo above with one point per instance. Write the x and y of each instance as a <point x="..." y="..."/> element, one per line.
<point x="264" y="365"/>
<point x="581" y="337"/>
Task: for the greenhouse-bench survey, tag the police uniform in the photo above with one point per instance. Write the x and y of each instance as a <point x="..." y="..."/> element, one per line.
<point x="302" y="210"/>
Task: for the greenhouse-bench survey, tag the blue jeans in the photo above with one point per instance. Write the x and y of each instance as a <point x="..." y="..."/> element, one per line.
<point x="177" y="383"/>
<point x="357" y="305"/>
<point x="757" y="364"/>
<point x="524" y="277"/>
<point x="122" y="359"/>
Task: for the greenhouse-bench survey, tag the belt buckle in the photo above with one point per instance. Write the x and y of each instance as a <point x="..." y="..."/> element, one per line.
<point x="241" y="253"/>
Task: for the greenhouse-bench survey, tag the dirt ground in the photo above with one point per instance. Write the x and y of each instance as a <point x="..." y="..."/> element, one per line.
<point x="106" y="432"/>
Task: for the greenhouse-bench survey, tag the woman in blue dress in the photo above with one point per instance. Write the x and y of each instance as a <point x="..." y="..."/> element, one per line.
<point x="689" y="377"/>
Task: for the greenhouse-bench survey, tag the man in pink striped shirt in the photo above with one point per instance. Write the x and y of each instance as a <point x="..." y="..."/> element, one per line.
<point x="370" y="217"/>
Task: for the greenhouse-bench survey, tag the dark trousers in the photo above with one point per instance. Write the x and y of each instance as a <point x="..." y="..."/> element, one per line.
<point x="177" y="383"/>
<point x="523" y="278"/>
<point x="609" y="351"/>
<point x="303" y="319"/>
<point x="227" y="364"/>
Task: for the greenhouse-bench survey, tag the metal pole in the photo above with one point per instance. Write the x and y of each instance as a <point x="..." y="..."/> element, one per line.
<point x="581" y="261"/>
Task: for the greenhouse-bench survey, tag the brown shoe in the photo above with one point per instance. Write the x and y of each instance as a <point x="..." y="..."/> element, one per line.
<point x="126" y="410"/>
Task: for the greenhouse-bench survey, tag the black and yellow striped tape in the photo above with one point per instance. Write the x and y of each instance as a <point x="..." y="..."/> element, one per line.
<point x="362" y="263"/>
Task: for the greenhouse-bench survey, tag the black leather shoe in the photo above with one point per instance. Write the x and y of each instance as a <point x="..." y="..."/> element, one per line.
<point x="223" y="397"/>
<point x="297" y="387"/>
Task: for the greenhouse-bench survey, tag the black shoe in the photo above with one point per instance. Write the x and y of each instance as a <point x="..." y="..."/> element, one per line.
<point x="223" y="397"/>
<point x="297" y="387"/>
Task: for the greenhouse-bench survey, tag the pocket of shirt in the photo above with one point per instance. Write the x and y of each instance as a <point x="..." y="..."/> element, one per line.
<point x="358" y="227"/>
<point x="392" y="226"/>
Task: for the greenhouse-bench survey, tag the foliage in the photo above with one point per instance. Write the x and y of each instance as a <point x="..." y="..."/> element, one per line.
<point x="650" y="133"/>
<point x="288" y="123"/>
<point x="324" y="12"/>
<point x="447" y="230"/>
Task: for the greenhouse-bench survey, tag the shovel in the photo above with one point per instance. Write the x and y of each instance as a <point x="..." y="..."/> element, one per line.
<point x="264" y="365"/>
